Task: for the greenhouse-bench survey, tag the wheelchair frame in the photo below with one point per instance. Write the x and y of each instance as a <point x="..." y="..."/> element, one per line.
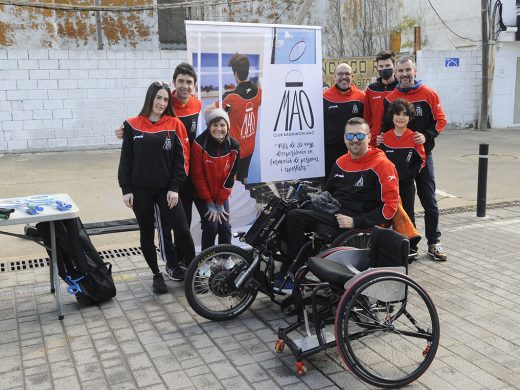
<point x="344" y="307"/>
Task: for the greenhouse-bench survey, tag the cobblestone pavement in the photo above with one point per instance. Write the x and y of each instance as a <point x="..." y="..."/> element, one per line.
<point x="139" y="340"/>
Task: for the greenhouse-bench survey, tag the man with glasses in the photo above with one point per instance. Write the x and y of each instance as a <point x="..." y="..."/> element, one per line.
<point x="428" y="123"/>
<point x="364" y="182"/>
<point x="341" y="102"/>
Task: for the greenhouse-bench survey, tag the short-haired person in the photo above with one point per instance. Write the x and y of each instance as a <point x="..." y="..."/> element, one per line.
<point x="186" y="107"/>
<point x="429" y="121"/>
<point x="376" y="92"/>
<point x="407" y="155"/>
<point x="153" y="166"/>
<point x="341" y="102"/>
<point x="213" y="163"/>
<point x="365" y="183"/>
<point x="244" y="102"/>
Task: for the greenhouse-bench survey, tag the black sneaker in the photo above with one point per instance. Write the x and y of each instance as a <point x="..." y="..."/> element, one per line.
<point x="158" y="285"/>
<point x="174" y="273"/>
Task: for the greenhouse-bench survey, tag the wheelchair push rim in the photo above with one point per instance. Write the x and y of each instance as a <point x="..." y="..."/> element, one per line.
<point x="356" y="238"/>
<point x="387" y="329"/>
<point x="209" y="283"/>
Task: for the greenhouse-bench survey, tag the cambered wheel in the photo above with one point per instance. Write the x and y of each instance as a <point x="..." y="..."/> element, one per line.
<point x="210" y="283"/>
<point x="356" y="238"/>
<point x="387" y="328"/>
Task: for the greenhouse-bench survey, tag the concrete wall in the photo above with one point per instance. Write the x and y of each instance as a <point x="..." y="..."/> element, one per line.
<point x="504" y="83"/>
<point x="23" y="27"/>
<point x="67" y="99"/>
<point x="458" y="87"/>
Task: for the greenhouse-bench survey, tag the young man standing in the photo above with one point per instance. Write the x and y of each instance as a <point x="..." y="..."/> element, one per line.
<point x="376" y="92"/>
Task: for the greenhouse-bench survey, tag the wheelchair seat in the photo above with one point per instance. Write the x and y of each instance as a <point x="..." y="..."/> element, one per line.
<point x="389" y="249"/>
<point x="339" y="266"/>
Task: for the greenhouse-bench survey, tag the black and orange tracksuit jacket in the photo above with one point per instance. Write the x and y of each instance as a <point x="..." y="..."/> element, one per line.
<point x="374" y="106"/>
<point x="408" y="157"/>
<point x="145" y="159"/>
<point x="213" y="167"/>
<point x="244" y="102"/>
<point x="429" y="117"/>
<point x="367" y="188"/>
<point x="188" y="114"/>
<point x="338" y="108"/>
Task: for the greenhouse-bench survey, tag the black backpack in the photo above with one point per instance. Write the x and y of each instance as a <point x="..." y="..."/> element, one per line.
<point x="79" y="264"/>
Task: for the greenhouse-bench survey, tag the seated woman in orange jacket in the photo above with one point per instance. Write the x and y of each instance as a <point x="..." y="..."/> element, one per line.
<point x="213" y="163"/>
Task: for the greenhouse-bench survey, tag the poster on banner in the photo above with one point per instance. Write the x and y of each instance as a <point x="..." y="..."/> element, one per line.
<point x="270" y="79"/>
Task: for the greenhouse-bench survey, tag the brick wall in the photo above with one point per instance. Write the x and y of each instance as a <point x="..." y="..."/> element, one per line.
<point x="72" y="99"/>
<point x="458" y="87"/>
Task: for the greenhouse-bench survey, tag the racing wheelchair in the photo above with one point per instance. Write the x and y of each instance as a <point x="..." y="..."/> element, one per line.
<point x="384" y="325"/>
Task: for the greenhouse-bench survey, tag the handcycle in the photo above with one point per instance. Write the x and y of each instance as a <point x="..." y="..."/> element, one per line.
<point x="223" y="281"/>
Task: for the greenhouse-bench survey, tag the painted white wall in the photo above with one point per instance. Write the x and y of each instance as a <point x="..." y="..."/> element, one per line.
<point x="71" y="99"/>
<point x="462" y="16"/>
<point x="504" y="83"/>
<point x="458" y="87"/>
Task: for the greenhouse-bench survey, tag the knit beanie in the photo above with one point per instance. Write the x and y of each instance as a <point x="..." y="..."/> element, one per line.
<point x="216" y="113"/>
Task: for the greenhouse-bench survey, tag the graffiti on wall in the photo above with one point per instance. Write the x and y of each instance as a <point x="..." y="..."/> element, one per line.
<point x="364" y="69"/>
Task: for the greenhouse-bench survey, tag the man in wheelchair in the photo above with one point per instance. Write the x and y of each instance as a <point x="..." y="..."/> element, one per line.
<point x="365" y="184"/>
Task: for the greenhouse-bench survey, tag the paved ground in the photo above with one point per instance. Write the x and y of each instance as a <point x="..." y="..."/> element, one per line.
<point x="139" y="340"/>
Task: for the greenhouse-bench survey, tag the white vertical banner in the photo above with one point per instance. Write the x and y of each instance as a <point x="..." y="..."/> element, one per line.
<point x="280" y="128"/>
<point x="292" y="128"/>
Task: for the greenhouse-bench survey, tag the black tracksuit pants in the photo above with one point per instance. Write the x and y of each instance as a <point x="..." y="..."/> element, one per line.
<point x="144" y="201"/>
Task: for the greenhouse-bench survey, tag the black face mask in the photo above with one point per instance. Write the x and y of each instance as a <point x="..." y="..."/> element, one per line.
<point x="386" y="73"/>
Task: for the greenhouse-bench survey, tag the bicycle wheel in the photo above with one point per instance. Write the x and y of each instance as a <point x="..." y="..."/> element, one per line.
<point x="356" y="238"/>
<point x="209" y="283"/>
<point x="387" y="328"/>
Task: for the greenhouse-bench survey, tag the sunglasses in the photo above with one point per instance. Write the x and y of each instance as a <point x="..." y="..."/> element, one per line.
<point x="161" y="84"/>
<point x="359" y="136"/>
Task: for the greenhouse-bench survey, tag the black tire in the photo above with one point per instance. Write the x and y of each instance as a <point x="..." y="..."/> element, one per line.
<point x="208" y="283"/>
<point x="356" y="238"/>
<point x="387" y="328"/>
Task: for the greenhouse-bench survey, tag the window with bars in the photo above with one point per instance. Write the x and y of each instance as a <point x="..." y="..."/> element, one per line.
<point x="172" y="33"/>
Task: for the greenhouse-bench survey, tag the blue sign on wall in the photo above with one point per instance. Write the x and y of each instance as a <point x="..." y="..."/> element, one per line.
<point x="451" y="62"/>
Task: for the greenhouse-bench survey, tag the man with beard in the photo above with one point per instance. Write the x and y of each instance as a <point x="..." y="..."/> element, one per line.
<point x="376" y="92"/>
<point x="365" y="184"/>
<point x="341" y="102"/>
<point x="428" y="123"/>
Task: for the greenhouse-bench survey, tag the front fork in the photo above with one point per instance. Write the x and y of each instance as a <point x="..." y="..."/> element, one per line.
<point x="244" y="275"/>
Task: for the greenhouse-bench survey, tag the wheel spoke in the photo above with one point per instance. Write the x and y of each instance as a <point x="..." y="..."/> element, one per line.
<point x="209" y="284"/>
<point x="388" y="331"/>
